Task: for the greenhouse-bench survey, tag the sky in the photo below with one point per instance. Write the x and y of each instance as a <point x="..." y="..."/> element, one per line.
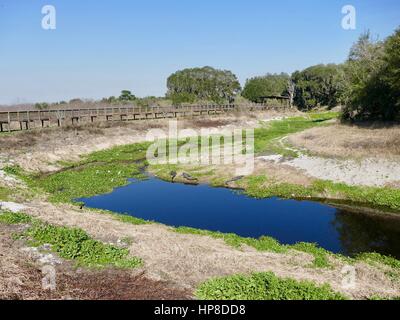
<point x="101" y="47"/>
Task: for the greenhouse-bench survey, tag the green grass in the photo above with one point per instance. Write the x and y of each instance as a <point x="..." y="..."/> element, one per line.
<point x="320" y="255"/>
<point x="266" y="137"/>
<point x="374" y="258"/>
<point x="265" y="244"/>
<point x="263" y="187"/>
<point x="98" y="173"/>
<point x="75" y="244"/>
<point x="5" y="193"/>
<point x="122" y="217"/>
<point x="9" y="217"/>
<point x="264" y="286"/>
<point x="71" y="243"/>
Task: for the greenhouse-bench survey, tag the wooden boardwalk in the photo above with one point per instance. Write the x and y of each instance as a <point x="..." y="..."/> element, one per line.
<point x="25" y="120"/>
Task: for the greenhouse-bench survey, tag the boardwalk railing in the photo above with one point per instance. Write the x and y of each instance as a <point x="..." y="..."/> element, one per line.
<point x="25" y="120"/>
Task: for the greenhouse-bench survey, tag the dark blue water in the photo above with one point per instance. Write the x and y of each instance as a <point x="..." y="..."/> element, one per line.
<point x="288" y="221"/>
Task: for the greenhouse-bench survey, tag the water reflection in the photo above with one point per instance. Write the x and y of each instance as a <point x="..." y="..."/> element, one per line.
<point x="360" y="232"/>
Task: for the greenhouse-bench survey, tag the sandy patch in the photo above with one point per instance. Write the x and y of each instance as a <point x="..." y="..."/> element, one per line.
<point x="367" y="172"/>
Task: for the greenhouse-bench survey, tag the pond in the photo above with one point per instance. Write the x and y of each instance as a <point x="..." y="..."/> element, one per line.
<point x="228" y="211"/>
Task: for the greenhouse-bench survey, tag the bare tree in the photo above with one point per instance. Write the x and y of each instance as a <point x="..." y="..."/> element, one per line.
<point x="291" y="92"/>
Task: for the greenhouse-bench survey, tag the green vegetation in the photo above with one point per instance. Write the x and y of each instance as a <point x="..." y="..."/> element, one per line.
<point x="72" y="243"/>
<point x="122" y="217"/>
<point x="97" y="173"/>
<point x="261" y="244"/>
<point x="269" y="85"/>
<point x="265" y="138"/>
<point x="372" y="74"/>
<point x="264" y="286"/>
<point x="75" y="244"/>
<point x="204" y="84"/>
<point x="9" y="217"/>
<point x="320" y="85"/>
<point x="374" y="258"/>
<point x="267" y="244"/>
<point x="262" y="187"/>
<point x="5" y="193"/>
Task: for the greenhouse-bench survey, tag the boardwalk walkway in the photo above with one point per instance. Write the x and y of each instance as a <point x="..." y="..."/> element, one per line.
<point x="25" y="120"/>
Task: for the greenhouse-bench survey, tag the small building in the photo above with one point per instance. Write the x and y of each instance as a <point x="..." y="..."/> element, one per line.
<point x="283" y="101"/>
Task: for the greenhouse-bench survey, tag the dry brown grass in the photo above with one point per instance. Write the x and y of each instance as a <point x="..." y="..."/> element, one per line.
<point x="351" y="141"/>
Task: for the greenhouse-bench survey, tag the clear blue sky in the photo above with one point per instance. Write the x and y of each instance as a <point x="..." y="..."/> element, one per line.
<point x="101" y="47"/>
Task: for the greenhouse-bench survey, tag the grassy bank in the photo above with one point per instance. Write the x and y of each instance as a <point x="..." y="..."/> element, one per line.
<point x="266" y="138"/>
<point x="381" y="198"/>
<point x="268" y="244"/>
<point x="71" y="243"/>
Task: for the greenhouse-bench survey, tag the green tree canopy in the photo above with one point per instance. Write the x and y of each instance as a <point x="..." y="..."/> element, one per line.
<point x="206" y="83"/>
<point x="268" y="85"/>
<point x="320" y="85"/>
<point x="373" y="79"/>
<point x="126" y="95"/>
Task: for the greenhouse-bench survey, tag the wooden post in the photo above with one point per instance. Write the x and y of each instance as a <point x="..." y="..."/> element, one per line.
<point x="9" y="121"/>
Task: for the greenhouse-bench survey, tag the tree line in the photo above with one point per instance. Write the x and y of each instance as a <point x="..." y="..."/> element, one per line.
<point x="366" y="85"/>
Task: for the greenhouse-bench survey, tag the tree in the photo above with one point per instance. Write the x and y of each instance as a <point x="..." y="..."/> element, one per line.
<point x="320" y="85"/>
<point x="269" y="85"/>
<point x="291" y="91"/>
<point x="206" y="83"/>
<point x="42" y="106"/>
<point x="126" y="95"/>
<point x="373" y="77"/>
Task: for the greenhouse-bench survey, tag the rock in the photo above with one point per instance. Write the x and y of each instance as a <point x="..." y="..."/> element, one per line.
<point x="12" y="206"/>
